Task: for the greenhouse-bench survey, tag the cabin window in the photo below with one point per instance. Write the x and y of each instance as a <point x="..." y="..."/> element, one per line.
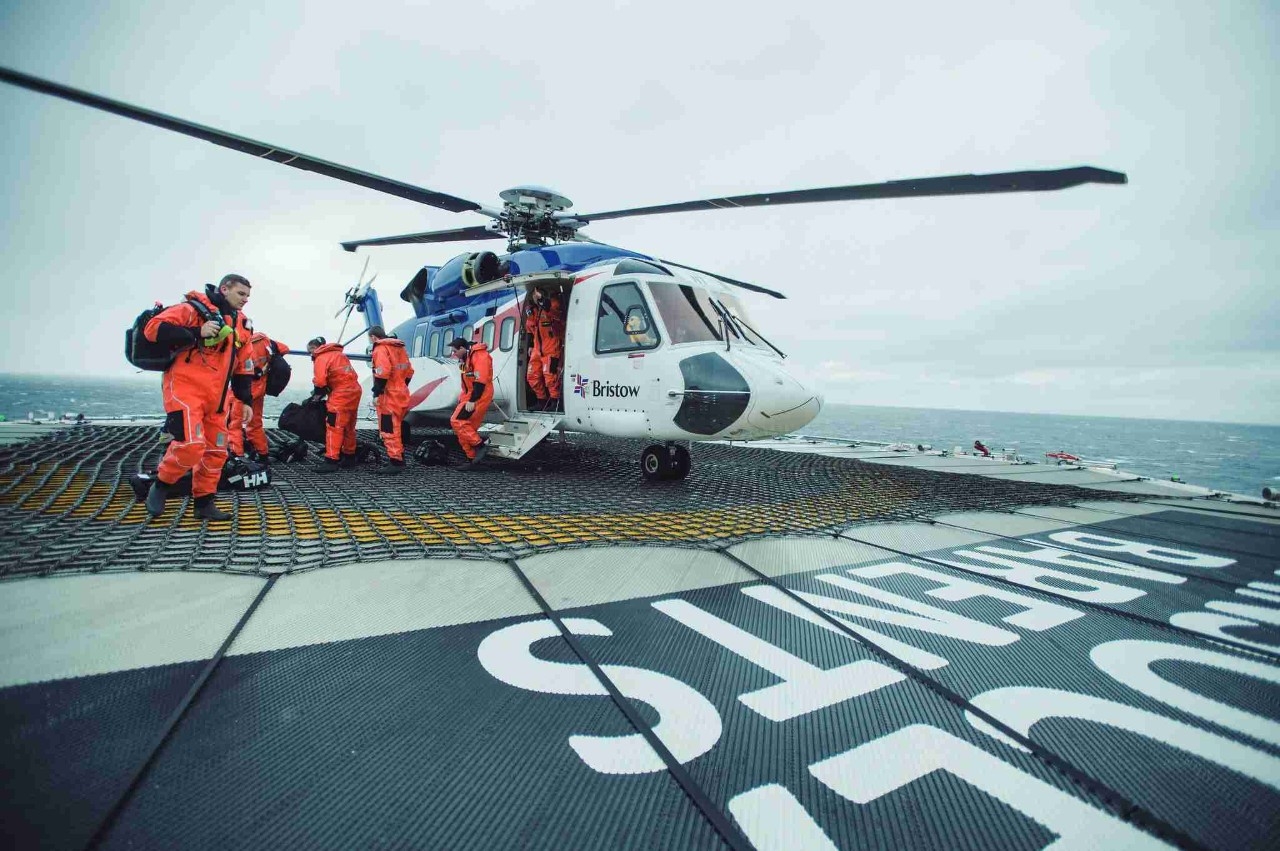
<point x="486" y="335"/>
<point x="419" y="343"/>
<point x="448" y="335"/>
<point x="466" y="333"/>
<point x="508" y="336"/>
<point x="623" y="321"/>
<point x="434" y="348"/>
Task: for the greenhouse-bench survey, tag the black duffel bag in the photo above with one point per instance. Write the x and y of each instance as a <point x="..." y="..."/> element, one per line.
<point x="305" y="420"/>
<point x="237" y="475"/>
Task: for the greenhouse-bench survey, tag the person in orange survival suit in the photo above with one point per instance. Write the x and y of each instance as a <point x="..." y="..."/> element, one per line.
<point x="196" y="388"/>
<point x="249" y="417"/>
<point x="544" y="322"/>
<point x="335" y="378"/>
<point x="473" y="401"/>
<point x="392" y="373"/>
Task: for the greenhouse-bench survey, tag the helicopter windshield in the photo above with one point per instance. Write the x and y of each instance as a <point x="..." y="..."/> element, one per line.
<point x="693" y="315"/>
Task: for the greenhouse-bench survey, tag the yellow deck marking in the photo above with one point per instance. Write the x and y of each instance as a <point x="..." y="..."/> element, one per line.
<point x="256" y="519"/>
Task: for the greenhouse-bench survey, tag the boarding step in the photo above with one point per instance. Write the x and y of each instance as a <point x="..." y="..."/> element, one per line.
<point x="515" y="438"/>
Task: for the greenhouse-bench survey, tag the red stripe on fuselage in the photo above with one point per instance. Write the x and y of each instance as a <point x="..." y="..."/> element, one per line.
<point x="423" y="392"/>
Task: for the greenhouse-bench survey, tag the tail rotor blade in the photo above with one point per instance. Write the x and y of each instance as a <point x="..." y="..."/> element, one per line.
<point x="346" y="320"/>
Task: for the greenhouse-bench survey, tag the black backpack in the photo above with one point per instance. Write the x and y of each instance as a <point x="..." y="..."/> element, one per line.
<point x="156" y="357"/>
<point x="278" y="373"/>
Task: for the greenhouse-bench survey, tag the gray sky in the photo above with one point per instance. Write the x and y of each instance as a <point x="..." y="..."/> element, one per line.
<point x="1156" y="299"/>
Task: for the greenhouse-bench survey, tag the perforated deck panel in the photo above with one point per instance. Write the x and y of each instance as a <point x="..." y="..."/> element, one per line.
<point x="65" y="505"/>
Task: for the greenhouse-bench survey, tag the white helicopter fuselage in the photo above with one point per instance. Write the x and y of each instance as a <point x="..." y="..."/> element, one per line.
<point x="669" y="357"/>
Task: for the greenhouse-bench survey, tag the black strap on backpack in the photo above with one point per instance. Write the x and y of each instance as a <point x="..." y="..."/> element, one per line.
<point x="157" y="357"/>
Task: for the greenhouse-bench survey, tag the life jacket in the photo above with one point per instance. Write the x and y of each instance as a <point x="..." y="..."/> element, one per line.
<point x="391" y="364"/>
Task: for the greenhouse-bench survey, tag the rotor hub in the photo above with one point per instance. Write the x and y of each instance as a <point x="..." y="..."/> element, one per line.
<point x="529" y="215"/>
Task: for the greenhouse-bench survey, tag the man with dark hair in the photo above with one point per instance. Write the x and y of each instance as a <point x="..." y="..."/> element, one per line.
<point x="335" y="378"/>
<point x="392" y="373"/>
<point x="214" y="334"/>
<point x="473" y="401"/>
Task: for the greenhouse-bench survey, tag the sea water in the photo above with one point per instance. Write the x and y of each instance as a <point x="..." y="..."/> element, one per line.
<point x="1226" y="456"/>
<point x="1236" y="458"/>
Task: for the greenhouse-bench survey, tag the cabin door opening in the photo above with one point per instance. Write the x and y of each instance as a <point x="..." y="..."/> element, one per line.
<point x="527" y="398"/>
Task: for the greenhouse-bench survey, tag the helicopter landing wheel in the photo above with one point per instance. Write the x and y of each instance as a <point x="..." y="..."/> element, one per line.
<point x="680" y="462"/>
<point x="655" y="463"/>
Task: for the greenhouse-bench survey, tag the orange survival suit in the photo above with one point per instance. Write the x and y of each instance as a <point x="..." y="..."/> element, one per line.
<point x="544" y="322"/>
<point x="392" y="373"/>
<point x="335" y="376"/>
<point x="477" y="387"/>
<point x="249" y="417"/>
<point x="197" y="388"/>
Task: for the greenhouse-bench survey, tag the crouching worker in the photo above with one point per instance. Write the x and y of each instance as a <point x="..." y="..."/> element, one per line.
<point x="473" y="402"/>
<point x="392" y="373"/>
<point x="211" y="364"/>
<point x="335" y="378"/>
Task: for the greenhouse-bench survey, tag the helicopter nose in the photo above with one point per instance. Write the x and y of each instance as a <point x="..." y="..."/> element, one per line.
<point x="783" y="403"/>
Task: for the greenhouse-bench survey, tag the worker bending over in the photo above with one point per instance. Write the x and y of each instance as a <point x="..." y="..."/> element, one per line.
<point x="335" y="381"/>
<point x="248" y="417"/>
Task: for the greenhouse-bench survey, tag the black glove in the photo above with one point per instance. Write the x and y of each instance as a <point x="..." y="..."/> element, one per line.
<point x="319" y="392"/>
<point x="242" y="388"/>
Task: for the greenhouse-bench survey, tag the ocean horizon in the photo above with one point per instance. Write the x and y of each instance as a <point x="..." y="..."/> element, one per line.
<point x="1237" y="457"/>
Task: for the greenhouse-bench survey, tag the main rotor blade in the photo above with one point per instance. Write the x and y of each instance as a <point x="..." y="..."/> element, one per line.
<point x="957" y="184"/>
<point x="239" y="143"/>
<point x="755" y="288"/>
<point x="455" y="235"/>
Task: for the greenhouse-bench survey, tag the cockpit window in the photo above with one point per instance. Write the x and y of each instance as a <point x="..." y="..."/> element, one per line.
<point x="693" y="315"/>
<point x="741" y="322"/>
<point x="623" y="323"/>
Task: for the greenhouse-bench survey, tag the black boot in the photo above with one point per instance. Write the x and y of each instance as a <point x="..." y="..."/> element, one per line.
<point x="481" y="451"/>
<point x="155" y="498"/>
<point x="326" y="466"/>
<point x="392" y="469"/>
<point x="206" y="510"/>
<point x="348" y="461"/>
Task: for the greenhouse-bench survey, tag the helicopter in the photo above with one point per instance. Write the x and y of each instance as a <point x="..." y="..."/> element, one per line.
<point x="653" y="348"/>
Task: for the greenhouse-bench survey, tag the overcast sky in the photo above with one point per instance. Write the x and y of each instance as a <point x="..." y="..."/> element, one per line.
<point x="1155" y="299"/>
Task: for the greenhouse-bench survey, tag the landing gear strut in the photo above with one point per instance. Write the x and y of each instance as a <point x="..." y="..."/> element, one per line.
<point x="665" y="463"/>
